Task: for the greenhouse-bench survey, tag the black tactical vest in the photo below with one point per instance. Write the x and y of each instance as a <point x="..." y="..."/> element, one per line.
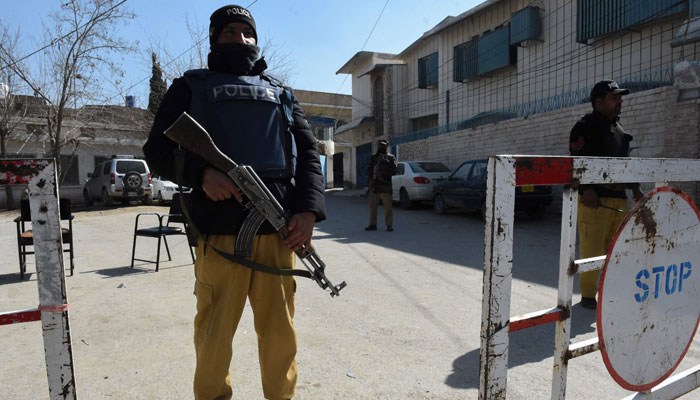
<point x="248" y="117"/>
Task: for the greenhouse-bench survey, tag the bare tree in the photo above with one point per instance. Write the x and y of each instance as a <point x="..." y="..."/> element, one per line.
<point x="279" y="63"/>
<point x="73" y="68"/>
<point x="12" y="110"/>
<point x="175" y="61"/>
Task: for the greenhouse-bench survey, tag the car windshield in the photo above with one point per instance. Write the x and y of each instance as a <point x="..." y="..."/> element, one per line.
<point x="428" y="166"/>
<point x="127" y="166"/>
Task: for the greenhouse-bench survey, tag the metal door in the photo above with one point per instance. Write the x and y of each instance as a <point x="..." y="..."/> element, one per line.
<point x="338" y="170"/>
<point x="363" y="154"/>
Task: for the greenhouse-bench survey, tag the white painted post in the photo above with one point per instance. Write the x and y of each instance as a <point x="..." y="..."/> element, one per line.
<point x="498" y="262"/>
<point x="567" y="257"/>
<point x="48" y="251"/>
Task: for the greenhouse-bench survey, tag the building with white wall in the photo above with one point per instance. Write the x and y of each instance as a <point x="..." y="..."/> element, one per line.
<point x="90" y="135"/>
<point x="513" y="76"/>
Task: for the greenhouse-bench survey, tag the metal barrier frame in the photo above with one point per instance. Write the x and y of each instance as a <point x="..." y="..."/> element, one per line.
<point x="40" y="176"/>
<point x="505" y="172"/>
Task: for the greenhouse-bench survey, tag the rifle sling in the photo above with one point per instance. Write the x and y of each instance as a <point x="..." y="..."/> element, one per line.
<point x="260" y="267"/>
<point x="179" y="169"/>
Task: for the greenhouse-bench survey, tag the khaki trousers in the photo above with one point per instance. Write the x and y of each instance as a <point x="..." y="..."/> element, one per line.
<point x="596" y="228"/>
<point x="386" y="203"/>
<point x="222" y="288"/>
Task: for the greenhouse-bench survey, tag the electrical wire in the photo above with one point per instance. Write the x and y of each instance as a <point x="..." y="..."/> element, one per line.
<point x="55" y="41"/>
<point x="557" y="64"/>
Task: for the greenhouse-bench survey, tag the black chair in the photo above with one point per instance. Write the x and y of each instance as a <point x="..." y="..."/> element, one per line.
<point x="163" y="230"/>
<point x="25" y="237"/>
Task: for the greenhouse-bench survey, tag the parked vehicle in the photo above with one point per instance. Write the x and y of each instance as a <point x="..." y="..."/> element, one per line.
<point x="123" y="178"/>
<point x="414" y="181"/>
<point x="466" y="189"/>
<point x="163" y="190"/>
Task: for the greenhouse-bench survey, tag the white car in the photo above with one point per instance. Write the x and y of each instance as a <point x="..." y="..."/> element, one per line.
<point x="414" y="181"/>
<point x="164" y="190"/>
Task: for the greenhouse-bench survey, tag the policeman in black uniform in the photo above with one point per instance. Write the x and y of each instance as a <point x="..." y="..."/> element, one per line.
<point x="256" y="121"/>
<point x="599" y="134"/>
<point x="381" y="166"/>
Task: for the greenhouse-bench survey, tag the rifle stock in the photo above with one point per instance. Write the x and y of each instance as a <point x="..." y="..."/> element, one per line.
<point x="189" y="134"/>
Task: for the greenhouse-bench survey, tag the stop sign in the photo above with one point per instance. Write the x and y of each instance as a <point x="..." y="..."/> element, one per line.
<point x="649" y="298"/>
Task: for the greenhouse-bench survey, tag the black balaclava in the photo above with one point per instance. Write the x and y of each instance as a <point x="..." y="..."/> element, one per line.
<point x="235" y="58"/>
<point x="383" y="147"/>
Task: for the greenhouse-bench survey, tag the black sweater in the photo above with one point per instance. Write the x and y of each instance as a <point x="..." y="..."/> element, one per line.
<point x="225" y="217"/>
<point x="593" y="136"/>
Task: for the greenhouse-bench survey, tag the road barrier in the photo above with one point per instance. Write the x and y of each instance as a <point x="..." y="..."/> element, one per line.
<point x="40" y="177"/>
<point x="504" y="174"/>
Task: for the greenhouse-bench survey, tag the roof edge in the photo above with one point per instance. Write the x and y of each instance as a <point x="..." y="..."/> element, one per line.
<point x="448" y="22"/>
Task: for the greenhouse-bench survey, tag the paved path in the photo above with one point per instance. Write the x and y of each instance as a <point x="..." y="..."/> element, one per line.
<point x="406" y="327"/>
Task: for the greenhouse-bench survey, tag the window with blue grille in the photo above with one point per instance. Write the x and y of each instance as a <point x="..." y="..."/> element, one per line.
<point x="494" y="51"/>
<point x="428" y="71"/>
<point x="465" y="65"/>
<point x="525" y="25"/>
<point x="641" y="11"/>
<point x="601" y="17"/>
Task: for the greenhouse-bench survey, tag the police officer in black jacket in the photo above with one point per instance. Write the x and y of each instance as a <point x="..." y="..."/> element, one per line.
<point x="256" y="121"/>
<point x="599" y="134"/>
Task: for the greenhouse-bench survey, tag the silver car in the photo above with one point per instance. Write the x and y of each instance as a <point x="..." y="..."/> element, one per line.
<point x="123" y="178"/>
<point x="414" y="181"/>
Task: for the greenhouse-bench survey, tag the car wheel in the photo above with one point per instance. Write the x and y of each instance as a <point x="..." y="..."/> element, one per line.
<point x="87" y="199"/>
<point x="107" y="200"/>
<point x="439" y="204"/>
<point x="404" y="201"/>
<point x="132" y="180"/>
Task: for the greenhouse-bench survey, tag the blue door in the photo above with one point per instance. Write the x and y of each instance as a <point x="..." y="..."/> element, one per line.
<point x="363" y="154"/>
<point x="323" y="170"/>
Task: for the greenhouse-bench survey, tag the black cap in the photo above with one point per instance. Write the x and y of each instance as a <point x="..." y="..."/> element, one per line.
<point x="224" y="16"/>
<point x="602" y="88"/>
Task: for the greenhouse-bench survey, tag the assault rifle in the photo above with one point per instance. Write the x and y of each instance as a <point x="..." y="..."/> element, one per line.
<point x="256" y="197"/>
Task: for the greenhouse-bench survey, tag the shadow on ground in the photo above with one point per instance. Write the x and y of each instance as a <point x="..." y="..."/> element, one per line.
<point x="13" y="277"/>
<point x="526" y="346"/>
<point x="456" y="238"/>
<point x="143" y="268"/>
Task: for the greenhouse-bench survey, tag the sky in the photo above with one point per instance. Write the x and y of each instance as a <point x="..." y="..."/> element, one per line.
<point x="317" y="37"/>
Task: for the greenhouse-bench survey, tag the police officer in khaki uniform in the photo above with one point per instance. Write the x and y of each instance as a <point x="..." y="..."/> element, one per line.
<point x="255" y="120"/>
<point x="601" y="207"/>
